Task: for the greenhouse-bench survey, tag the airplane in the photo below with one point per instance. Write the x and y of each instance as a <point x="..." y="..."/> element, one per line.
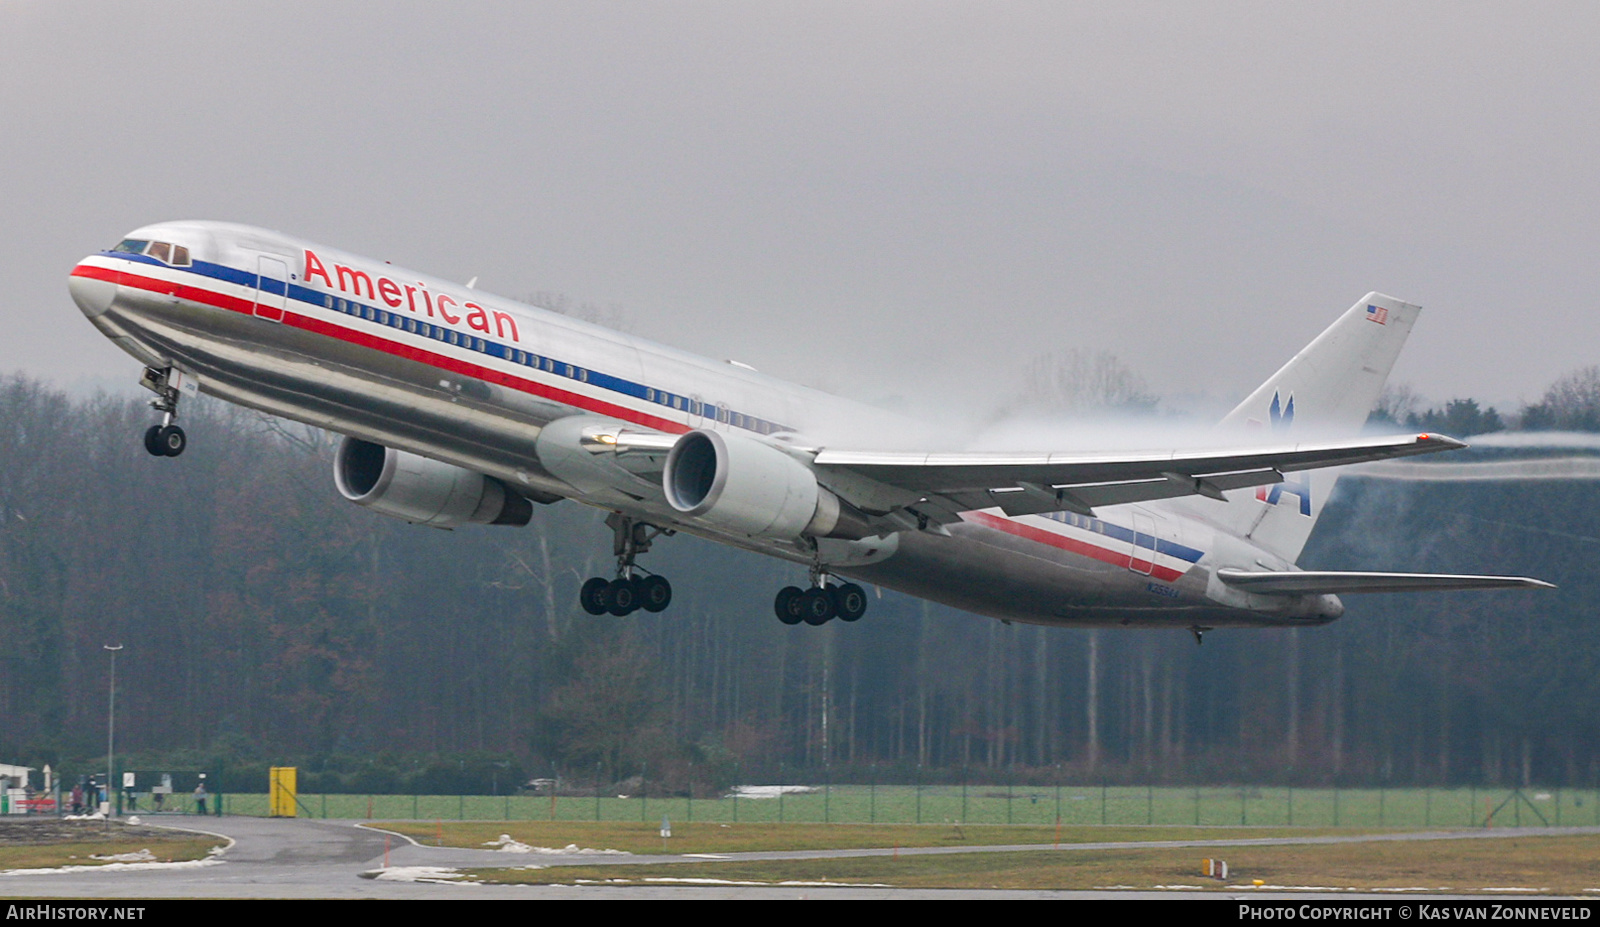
<point x="458" y="407"/>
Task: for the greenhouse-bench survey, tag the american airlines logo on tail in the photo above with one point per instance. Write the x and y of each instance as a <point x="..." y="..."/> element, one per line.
<point x="1281" y="417"/>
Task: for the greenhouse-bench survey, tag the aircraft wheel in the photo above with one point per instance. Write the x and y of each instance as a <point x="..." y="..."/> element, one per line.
<point x="850" y="601"/>
<point x="171" y="440"/>
<point x="593" y="596"/>
<point x="787" y="605"/>
<point x="816" y="606"/>
<point x="655" y="593"/>
<point x="624" y="597"/>
<point x="152" y="441"/>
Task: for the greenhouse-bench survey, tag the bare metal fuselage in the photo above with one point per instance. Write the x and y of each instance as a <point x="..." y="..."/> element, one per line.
<point x="369" y="377"/>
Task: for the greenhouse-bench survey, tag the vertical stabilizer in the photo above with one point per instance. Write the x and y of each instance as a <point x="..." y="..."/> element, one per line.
<point x="1325" y="392"/>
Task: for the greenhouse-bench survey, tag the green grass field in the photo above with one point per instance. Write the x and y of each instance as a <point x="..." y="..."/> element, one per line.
<point x="1070" y="805"/>
<point x="712" y="837"/>
<point x="1546" y="866"/>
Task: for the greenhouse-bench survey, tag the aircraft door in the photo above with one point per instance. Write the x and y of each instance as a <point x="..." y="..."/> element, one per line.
<point x="272" y="287"/>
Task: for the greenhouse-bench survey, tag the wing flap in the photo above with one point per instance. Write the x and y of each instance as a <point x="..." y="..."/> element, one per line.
<point x="1304" y="582"/>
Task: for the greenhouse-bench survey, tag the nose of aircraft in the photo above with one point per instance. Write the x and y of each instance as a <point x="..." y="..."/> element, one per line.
<point x="93" y="294"/>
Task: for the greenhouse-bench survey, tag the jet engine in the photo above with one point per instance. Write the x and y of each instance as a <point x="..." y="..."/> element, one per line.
<point x="421" y="490"/>
<point x="737" y="484"/>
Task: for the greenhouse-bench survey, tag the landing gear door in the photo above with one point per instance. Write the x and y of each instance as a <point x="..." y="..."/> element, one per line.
<point x="272" y="287"/>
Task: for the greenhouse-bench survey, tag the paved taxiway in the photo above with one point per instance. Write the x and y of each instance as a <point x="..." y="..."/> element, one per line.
<point x="277" y="858"/>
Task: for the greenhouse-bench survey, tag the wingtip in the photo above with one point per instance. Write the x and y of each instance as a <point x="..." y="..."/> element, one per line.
<point x="1445" y="442"/>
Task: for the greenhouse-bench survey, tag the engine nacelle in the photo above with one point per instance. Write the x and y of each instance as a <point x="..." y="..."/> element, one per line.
<point x="421" y="490"/>
<point x="747" y="486"/>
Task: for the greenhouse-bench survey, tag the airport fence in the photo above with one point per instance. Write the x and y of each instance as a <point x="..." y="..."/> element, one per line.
<point x="954" y="804"/>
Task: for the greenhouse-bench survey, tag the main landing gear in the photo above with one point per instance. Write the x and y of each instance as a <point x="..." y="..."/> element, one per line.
<point x="822" y="603"/>
<point x="629" y="591"/>
<point x="165" y="439"/>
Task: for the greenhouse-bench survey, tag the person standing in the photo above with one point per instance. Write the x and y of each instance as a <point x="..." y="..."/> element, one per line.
<point x="200" y="796"/>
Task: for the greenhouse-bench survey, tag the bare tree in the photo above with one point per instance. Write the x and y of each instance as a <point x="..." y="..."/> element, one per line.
<point x="1080" y="382"/>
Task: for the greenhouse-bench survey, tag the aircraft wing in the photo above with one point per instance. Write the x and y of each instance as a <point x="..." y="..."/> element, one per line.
<point x="939" y="486"/>
<point x="1299" y="582"/>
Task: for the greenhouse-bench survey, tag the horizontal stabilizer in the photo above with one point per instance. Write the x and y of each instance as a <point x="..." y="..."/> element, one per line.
<point x="1303" y="582"/>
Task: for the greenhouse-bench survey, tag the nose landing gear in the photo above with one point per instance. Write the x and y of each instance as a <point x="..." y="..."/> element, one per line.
<point x="628" y="592"/>
<point x="165" y="439"/>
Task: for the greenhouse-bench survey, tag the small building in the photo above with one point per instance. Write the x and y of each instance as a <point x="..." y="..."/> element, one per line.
<point x="14" y="777"/>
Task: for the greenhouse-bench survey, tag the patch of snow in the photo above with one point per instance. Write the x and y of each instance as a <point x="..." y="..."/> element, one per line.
<point x="770" y="791"/>
<point x="786" y="884"/>
<point x="510" y="844"/>
<point x="143" y="856"/>
<point x="212" y="860"/>
<point x="1294" y="888"/>
<point x="418" y="874"/>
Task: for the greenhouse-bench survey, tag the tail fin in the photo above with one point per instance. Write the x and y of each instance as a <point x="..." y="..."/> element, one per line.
<point x="1325" y="392"/>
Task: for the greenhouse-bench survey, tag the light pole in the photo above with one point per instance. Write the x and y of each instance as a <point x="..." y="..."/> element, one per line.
<point x="111" y="731"/>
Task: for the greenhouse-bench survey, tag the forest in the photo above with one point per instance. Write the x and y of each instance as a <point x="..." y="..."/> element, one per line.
<point x="266" y="621"/>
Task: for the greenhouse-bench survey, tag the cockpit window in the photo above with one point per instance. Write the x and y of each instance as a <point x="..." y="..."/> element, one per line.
<point x="163" y="251"/>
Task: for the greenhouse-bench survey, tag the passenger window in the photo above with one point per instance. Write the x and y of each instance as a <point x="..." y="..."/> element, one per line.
<point x="453" y="338"/>
<point x="569" y="370"/>
<point x="583" y="375"/>
<point x="161" y="251"/>
<point x="327" y="301"/>
<point x="650" y="395"/>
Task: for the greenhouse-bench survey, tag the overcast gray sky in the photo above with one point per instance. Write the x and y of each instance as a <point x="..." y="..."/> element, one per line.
<point x="879" y="198"/>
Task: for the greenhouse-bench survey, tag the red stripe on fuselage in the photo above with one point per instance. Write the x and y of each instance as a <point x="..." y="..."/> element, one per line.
<point x="364" y="339"/>
<point x="1072" y="545"/>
